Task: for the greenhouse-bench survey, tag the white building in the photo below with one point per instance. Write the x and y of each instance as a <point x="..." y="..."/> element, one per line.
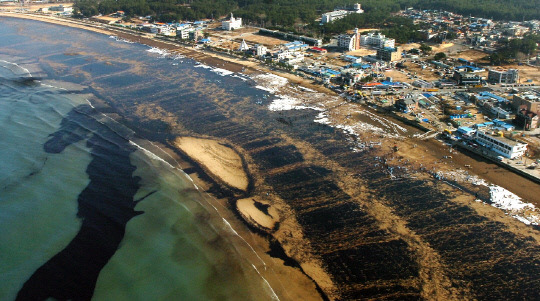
<point x="346" y="41"/>
<point x="378" y="40"/>
<point x="183" y="33"/>
<point x="232" y="23"/>
<point x="505" y="147"/>
<point x="243" y="46"/>
<point x="61" y="8"/>
<point x="349" y="42"/>
<point x="509" y="76"/>
<point x="338" y="14"/>
<point x="260" y="50"/>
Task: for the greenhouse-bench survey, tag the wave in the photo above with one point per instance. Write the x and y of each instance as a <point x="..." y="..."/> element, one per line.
<point x="18" y="71"/>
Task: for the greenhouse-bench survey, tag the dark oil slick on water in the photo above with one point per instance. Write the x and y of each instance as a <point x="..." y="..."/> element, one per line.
<point x="367" y="259"/>
<point x="105" y="206"/>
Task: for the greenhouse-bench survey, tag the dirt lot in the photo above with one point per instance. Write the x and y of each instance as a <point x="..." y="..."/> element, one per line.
<point x="362" y="52"/>
<point x="398" y="76"/>
<point x="260" y="39"/>
<point x="471" y="55"/>
<point x="425" y="74"/>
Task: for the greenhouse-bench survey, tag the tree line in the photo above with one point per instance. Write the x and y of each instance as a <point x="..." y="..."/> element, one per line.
<point x="515" y="49"/>
<point x="290" y="13"/>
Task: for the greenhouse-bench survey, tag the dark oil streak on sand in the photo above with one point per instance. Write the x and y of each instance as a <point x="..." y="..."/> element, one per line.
<point x="482" y="259"/>
<point x="105" y="206"/>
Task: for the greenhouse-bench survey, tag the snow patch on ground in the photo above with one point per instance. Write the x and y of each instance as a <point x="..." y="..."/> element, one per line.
<point x="499" y="197"/>
<point x="270" y="82"/>
<point x="159" y="51"/>
<point x="220" y="71"/>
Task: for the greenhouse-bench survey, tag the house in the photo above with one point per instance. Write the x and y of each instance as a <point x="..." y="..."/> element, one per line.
<point x="61" y="9"/>
<point x="232" y="24"/>
<point x="260" y="50"/>
<point x="352" y="59"/>
<point x="295" y="46"/>
<point x="406" y="105"/>
<point x="463" y="130"/>
<point x="420" y="83"/>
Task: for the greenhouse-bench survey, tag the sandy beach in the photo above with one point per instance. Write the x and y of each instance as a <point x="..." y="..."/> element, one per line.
<point x="221" y="161"/>
<point x="258" y="212"/>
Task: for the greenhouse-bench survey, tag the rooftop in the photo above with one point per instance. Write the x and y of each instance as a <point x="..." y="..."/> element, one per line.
<point x="503" y="140"/>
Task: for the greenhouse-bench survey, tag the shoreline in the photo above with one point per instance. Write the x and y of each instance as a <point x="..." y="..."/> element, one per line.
<point x="286" y="281"/>
<point x="225" y="205"/>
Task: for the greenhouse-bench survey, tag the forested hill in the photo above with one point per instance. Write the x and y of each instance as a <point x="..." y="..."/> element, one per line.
<point x="289" y="12"/>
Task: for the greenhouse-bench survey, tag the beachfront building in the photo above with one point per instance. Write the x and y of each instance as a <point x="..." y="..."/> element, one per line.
<point x="232" y="24"/>
<point x="388" y="54"/>
<point x="377" y="40"/>
<point x="505" y="147"/>
<point x="183" y="33"/>
<point x="509" y="76"/>
<point x="341" y="13"/>
<point x="349" y="42"/>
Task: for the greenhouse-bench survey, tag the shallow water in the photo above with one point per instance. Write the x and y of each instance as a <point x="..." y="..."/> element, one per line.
<point x="86" y="212"/>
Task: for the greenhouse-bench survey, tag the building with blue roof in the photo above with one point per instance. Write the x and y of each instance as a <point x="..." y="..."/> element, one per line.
<point x="329" y="73"/>
<point x="464" y="130"/>
<point x="296" y="46"/>
<point x="485" y="94"/>
<point x="352" y="58"/>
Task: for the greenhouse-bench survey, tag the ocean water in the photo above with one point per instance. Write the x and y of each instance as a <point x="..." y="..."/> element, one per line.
<point x="86" y="210"/>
